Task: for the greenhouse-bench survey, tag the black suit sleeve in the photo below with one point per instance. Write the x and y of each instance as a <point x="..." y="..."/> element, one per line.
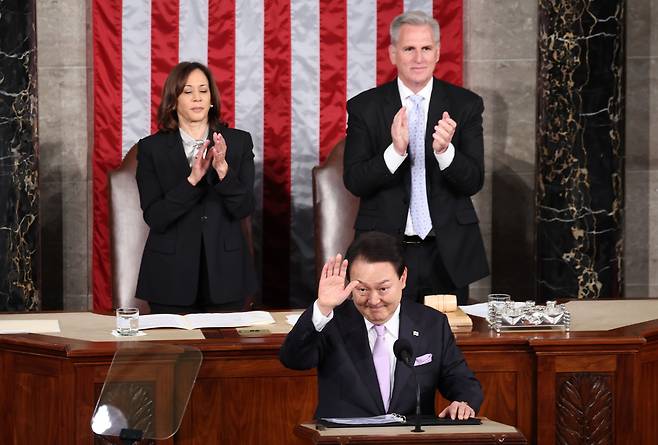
<point x="455" y="380"/>
<point x="236" y="189"/>
<point x="364" y="169"/>
<point x="465" y="175"/>
<point x="303" y="346"/>
<point x="161" y="207"/>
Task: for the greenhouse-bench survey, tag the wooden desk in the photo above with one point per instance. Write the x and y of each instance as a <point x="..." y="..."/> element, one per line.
<point x="584" y="387"/>
<point x="489" y="433"/>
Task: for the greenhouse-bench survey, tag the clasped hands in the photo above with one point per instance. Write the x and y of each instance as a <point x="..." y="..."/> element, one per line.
<point x="443" y="132"/>
<point x="215" y="156"/>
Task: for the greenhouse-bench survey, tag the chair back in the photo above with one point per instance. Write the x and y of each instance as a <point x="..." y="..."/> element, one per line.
<point x="334" y="208"/>
<point x="128" y="231"/>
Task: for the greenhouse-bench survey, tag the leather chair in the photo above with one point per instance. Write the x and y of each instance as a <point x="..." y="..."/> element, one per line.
<point x="334" y="208"/>
<point x="129" y="232"/>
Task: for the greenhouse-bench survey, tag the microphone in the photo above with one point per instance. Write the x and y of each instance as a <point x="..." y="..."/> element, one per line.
<point x="405" y="353"/>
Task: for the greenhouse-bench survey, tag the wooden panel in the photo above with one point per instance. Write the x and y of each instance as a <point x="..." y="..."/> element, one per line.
<point x="601" y="363"/>
<point x="584" y="405"/>
<point x="648" y="406"/>
<point x="250" y="410"/>
<point x="34" y="392"/>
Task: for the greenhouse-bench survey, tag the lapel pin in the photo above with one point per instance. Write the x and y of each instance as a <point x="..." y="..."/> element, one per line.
<point x="415" y="333"/>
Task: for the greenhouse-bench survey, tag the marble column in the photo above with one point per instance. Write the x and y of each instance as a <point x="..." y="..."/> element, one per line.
<point x="19" y="194"/>
<point x="580" y="148"/>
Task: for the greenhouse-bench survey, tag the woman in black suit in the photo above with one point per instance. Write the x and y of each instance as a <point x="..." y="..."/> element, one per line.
<point x="195" y="178"/>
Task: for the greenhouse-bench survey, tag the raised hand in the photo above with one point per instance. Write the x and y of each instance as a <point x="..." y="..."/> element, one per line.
<point x="400" y="132"/>
<point x="444" y="130"/>
<point x="219" y="159"/>
<point x="332" y="290"/>
<point x="200" y="164"/>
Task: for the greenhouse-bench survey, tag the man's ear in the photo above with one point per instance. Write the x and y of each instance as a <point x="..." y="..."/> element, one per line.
<point x="391" y="53"/>
<point x="403" y="278"/>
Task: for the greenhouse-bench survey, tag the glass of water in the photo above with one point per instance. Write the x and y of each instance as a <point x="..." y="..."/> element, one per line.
<point x="127" y="321"/>
<point x="495" y="304"/>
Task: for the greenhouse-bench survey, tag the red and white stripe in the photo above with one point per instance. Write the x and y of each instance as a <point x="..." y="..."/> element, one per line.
<point x="284" y="68"/>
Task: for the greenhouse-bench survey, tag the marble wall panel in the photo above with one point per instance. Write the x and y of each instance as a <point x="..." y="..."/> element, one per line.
<point x="499" y="30"/>
<point x="19" y="191"/>
<point x="641" y="244"/>
<point x="580" y="146"/>
<point x="62" y="27"/>
<point x="500" y="64"/>
<point x="67" y="137"/>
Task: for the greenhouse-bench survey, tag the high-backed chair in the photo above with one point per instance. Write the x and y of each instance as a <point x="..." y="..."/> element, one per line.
<point x="129" y="232"/>
<point x="334" y="208"/>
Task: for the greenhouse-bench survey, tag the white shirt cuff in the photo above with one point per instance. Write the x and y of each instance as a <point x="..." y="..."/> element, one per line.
<point x="319" y="320"/>
<point x="445" y="158"/>
<point x="393" y="159"/>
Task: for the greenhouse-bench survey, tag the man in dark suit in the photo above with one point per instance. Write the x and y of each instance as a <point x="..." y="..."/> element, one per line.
<point x="414" y="156"/>
<point x="350" y="341"/>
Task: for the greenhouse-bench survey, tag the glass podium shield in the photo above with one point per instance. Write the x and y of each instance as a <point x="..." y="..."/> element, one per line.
<point x="145" y="392"/>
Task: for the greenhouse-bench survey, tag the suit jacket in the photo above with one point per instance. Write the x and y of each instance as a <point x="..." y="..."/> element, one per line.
<point x="384" y="196"/>
<point x="347" y="380"/>
<point x="181" y="217"/>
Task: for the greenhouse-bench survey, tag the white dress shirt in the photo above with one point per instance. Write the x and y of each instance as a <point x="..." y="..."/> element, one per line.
<point x="392" y="333"/>
<point x="394" y="160"/>
<point x="190" y="145"/>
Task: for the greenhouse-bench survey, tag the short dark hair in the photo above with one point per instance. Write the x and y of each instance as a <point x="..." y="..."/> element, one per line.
<point x="174" y="86"/>
<point x="376" y="247"/>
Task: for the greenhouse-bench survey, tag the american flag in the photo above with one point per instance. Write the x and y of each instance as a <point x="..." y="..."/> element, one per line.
<point x="284" y="68"/>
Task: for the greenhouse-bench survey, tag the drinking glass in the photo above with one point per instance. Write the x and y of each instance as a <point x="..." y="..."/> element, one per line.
<point x="127" y="321"/>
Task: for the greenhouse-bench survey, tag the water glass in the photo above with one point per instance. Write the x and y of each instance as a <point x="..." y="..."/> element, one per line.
<point x="127" y="321"/>
<point x="495" y="305"/>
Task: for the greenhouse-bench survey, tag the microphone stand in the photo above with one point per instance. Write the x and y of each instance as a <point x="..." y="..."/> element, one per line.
<point x="417" y="428"/>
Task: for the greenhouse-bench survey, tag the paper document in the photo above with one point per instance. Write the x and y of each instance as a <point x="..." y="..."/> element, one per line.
<point x="292" y="319"/>
<point x="28" y="326"/>
<point x="478" y="310"/>
<point x="198" y="321"/>
<point x="376" y="420"/>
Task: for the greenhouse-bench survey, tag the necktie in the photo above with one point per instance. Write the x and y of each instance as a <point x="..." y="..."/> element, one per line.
<point x="382" y="365"/>
<point x="419" y="208"/>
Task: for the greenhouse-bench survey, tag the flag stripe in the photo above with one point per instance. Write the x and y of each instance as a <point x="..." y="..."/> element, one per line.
<point x="276" y="159"/>
<point x="387" y="10"/>
<point x="418" y="5"/>
<point x="135" y="72"/>
<point x="249" y="114"/>
<point x="449" y="13"/>
<point x="305" y="120"/>
<point x="221" y="60"/>
<point x="107" y="138"/>
<point x="333" y="74"/>
<point x="193" y="35"/>
<point x="164" y="50"/>
<point x="361" y="46"/>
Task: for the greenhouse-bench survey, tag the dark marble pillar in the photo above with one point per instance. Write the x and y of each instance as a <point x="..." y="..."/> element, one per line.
<point x="580" y="148"/>
<point x="19" y="195"/>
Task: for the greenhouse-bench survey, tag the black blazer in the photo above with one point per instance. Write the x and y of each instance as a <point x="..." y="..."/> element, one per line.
<point x="181" y="217"/>
<point x="347" y="380"/>
<point x="385" y="196"/>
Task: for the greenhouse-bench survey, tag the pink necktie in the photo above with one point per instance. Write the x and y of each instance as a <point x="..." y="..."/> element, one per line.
<point x="382" y="366"/>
